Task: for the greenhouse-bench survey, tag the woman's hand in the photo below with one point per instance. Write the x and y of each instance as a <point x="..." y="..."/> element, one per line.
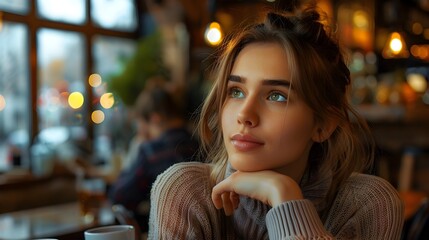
<point x="267" y="186"/>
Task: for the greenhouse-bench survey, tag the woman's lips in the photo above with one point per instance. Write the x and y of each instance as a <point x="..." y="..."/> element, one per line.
<point x="245" y="142"/>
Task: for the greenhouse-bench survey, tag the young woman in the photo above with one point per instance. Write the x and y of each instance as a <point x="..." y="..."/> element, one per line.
<point x="287" y="152"/>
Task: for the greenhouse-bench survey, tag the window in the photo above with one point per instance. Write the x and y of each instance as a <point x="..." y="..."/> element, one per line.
<point x="14" y="94"/>
<point x="56" y="61"/>
<point x="15" y="6"/>
<point x="114" y="14"/>
<point x="61" y="73"/>
<point x="68" y="11"/>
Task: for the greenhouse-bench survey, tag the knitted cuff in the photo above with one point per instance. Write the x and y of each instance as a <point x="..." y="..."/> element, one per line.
<point x="297" y="219"/>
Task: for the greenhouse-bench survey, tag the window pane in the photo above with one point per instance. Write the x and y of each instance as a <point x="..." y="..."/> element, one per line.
<point x="114" y="14"/>
<point x="16" y="6"/>
<point x="69" y="11"/>
<point x="14" y="96"/>
<point x="109" y="57"/>
<point x="61" y="82"/>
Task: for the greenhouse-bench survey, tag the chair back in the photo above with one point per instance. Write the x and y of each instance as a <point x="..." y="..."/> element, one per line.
<point x="419" y="227"/>
<point x="125" y="217"/>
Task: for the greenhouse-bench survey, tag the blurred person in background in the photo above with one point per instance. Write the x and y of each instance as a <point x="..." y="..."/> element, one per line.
<point x="163" y="140"/>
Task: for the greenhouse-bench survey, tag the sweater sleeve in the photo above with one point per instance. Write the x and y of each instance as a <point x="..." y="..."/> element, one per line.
<point x="296" y="219"/>
<point x="181" y="207"/>
<point x="366" y="207"/>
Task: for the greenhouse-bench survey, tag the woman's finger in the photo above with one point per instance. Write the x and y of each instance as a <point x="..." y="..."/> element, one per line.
<point x="217" y="200"/>
<point x="235" y="199"/>
<point x="217" y="193"/>
<point x="227" y="204"/>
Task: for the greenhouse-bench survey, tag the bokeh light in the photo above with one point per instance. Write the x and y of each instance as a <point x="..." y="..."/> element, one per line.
<point x="417" y="28"/>
<point x="2" y="103"/>
<point x="396" y="44"/>
<point x="94" y="80"/>
<point x="107" y="100"/>
<point x="76" y="100"/>
<point x="97" y="116"/>
<point x="417" y="82"/>
<point x="360" y="19"/>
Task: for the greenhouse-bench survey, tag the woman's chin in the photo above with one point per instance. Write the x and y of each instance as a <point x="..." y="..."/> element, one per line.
<point x="246" y="166"/>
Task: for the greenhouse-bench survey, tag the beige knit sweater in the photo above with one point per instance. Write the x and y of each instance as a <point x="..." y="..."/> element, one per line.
<point x="366" y="207"/>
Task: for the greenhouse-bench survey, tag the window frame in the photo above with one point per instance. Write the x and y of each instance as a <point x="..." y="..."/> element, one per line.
<point x="33" y="23"/>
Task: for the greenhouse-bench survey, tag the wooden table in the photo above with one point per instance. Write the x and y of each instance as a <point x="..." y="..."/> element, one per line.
<point x="57" y="221"/>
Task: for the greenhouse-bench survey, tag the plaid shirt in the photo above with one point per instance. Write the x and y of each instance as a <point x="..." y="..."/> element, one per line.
<point x="154" y="157"/>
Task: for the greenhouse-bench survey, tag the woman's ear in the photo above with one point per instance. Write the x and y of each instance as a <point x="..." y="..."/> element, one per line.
<point x="325" y="130"/>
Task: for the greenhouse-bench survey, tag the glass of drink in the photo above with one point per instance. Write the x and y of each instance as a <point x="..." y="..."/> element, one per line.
<point x="91" y="195"/>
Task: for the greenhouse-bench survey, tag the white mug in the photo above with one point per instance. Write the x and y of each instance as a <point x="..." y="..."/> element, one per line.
<point x="114" y="232"/>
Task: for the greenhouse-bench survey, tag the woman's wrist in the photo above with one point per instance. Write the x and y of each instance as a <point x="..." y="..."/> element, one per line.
<point x="284" y="189"/>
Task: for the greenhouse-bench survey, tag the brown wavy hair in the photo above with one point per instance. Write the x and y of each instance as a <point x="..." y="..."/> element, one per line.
<point x="320" y="77"/>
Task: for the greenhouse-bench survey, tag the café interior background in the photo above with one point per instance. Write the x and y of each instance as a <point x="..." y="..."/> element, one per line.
<point x="70" y="70"/>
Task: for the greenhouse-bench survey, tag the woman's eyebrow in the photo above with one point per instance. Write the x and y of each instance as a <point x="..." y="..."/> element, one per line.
<point x="267" y="82"/>
<point x="276" y="82"/>
<point x="234" y="78"/>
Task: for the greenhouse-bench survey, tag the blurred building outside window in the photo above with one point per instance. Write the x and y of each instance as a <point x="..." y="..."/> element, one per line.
<point x="114" y="14"/>
<point x="14" y="95"/>
<point x="15" y="6"/>
<point x="68" y="11"/>
<point x="61" y="78"/>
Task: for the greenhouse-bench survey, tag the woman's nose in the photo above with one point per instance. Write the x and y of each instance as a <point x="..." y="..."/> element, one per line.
<point x="248" y="113"/>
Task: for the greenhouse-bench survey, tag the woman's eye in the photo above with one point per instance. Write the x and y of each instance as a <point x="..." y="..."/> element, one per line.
<point x="277" y="97"/>
<point x="236" y="93"/>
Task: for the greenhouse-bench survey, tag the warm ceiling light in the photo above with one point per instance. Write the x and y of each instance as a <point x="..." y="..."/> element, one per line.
<point x="213" y="34"/>
<point x="395" y="47"/>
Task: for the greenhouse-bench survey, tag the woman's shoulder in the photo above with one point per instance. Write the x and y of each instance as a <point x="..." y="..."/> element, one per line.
<point x="368" y="195"/>
<point x="186" y="170"/>
<point x="365" y="187"/>
<point x="183" y="178"/>
<point x="181" y="203"/>
<point x="366" y="206"/>
<point x="367" y="182"/>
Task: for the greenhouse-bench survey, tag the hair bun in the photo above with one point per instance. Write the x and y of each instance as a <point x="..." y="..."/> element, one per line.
<point x="279" y="21"/>
<point x="311" y="15"/>
<point x="289" y="5"/>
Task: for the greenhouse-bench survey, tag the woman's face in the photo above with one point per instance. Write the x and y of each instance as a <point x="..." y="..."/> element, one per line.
<point x="265" y="124"/>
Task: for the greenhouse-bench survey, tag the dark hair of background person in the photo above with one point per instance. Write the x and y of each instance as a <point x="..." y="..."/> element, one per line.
<point x="156" y="98"/>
